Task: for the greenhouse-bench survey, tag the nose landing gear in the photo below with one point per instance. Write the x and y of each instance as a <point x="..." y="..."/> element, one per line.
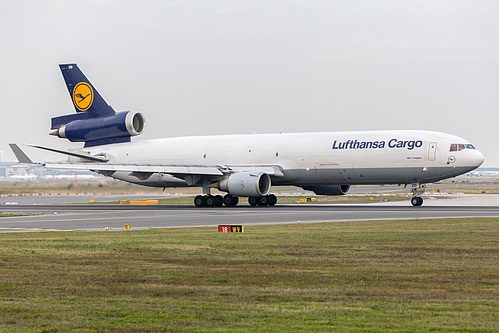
<point x="416" y="201"/>
<point x="417" y="191"/>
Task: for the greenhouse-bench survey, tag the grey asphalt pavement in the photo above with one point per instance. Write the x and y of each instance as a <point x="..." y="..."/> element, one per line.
<point x="97" y="217"/>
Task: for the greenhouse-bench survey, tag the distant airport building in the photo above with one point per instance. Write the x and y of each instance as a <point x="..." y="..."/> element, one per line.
<point x="23" y="171"/>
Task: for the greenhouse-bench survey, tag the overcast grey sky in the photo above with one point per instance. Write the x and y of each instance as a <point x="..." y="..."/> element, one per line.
<point x="223" y="67"/>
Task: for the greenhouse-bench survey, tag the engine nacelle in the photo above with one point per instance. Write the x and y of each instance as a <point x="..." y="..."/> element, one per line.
<point x="329" y="189"/>
<point x="246" y="184"/>
<point x="113" y="128"/>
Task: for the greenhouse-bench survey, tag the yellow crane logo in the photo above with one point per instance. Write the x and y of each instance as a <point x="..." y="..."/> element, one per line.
<point x="83" y="96"/>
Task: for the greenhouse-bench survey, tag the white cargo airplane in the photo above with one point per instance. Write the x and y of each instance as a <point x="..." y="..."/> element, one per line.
<point x="327" y="163"/>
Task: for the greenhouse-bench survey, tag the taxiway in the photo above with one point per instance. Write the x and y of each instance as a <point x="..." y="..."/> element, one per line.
<point x="84" y="217"/>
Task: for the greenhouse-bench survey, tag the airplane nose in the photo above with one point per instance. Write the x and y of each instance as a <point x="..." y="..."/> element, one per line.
<point x="478" y="158"/>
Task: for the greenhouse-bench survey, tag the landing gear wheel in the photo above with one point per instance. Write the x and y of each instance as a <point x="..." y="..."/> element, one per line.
<point x="263" y="201"/>
<point x="416" y="201"/>
<point x="253" y="201"/>
<point x="210" y="201"/>
<point x="272" y="200"/>
<point x="417" y="191"/>
<point x="230" y="201"/>
<point x="219" y="201"/>
<point x="199" y="201"/>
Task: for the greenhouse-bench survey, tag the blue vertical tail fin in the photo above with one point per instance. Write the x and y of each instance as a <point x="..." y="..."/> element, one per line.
<point x="87" y="101"/>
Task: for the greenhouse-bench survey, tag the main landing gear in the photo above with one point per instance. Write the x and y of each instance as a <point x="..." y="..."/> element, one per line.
<point x="417" y="191"/>
<point x="231" y="201"/>
<point x="209" y="201"/>
<point x="215" y="200"/>
<point x="268" y="200"/>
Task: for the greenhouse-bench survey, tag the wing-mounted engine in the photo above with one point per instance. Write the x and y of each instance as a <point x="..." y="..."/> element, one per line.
<point x="246" y="184"/>
<point x="329" y="189"/>
<point x="118" y="127"/>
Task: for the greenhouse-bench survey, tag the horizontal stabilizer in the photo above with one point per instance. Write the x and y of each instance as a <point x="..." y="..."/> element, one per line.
<point x="63" y="120"/>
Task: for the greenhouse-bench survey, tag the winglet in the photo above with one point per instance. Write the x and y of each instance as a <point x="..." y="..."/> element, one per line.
<point x="20" y="155"/>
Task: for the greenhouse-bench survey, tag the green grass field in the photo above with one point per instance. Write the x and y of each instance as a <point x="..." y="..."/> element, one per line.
<point x="17" y="214"/>
<point x="67" y="186"/>
<point x="379" y="276"/>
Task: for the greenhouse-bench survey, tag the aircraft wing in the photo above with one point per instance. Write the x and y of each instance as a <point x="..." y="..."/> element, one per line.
<point x="174" y="170"/>
<point x="178" y="170"/>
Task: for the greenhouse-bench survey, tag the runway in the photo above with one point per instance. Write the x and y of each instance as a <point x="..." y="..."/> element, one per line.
<point x="83" y="217"/>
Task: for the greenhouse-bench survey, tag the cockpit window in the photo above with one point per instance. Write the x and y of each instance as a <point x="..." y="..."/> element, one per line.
<point x="460" y="146"/>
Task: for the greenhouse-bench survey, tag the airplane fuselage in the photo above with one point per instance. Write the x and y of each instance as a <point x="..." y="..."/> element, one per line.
<point x="336" y="158"/>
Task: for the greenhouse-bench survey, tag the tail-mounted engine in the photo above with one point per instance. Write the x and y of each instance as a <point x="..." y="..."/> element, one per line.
<point x="118" y="127"/>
